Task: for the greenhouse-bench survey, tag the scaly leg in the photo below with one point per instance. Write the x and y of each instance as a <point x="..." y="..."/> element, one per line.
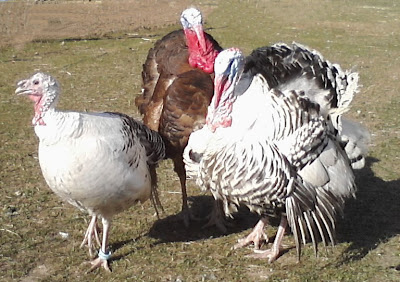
<point x="256" y="236"/>
<point x="90" y="233"/>
<point x="104" y="253"/>
<point x="273" y="253"/>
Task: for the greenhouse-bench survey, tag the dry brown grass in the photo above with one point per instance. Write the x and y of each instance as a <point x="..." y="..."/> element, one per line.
<point x="25" y="21"/>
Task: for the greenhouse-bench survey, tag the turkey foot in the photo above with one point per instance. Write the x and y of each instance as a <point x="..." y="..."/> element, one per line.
<point x="99" y="262"/>
<point x="273" y="253"/>
<point x="257" y="236"/>
<point x="103" y="255"/>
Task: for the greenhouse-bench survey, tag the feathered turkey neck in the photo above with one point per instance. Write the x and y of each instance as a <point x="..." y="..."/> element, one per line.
<point x="42" y="106"/>
<point x="226" y="79"/>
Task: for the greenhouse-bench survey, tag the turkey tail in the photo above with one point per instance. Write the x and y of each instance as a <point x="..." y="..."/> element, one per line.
<point x="155" y="199"/>
<point x="311" y="213"/>
<point x="153" y="143"/>
<point x="150" y="139"/>
<point x="346" y="87"/>
<point x="155" y="151"/>
<point x="355" y="139"/>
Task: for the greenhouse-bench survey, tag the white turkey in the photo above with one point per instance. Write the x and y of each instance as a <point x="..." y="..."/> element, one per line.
<point x="101" y="163"/>
<point x="272" y="150"/>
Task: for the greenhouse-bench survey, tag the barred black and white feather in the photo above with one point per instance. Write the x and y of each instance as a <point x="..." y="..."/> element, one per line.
<point x="271" y="150"/>
<point x="289" y="67"/>
<point x="150" y="139"/>
<point x="298" y="67"/>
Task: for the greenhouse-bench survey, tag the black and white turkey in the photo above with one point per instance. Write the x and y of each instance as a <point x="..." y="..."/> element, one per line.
<point x="101" y="163"/>
<point x="273" y="149"/>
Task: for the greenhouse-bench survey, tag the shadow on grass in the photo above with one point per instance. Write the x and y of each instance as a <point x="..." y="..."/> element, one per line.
<point x="118" y="245"/>
<point x="172" y="229"/>
<point x="371" y="218"/>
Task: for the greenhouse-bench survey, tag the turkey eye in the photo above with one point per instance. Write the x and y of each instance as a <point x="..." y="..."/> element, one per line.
<point x="35" y="82"/>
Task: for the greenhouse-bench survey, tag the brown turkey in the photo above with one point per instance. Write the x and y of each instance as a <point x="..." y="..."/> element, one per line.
<point x="177" y="89"/>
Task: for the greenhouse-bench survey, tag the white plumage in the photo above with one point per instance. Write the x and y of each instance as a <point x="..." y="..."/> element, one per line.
<point x="273" y="150"/>
<point x="101" y="163"/>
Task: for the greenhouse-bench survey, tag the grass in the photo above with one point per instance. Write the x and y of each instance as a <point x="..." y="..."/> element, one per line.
<point x="104" y="75"/>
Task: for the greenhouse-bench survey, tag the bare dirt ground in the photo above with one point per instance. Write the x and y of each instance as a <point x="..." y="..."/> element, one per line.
<point x="77" y="19"/>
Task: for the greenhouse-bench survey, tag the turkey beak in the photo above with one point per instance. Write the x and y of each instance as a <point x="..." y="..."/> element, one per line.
<point x="198" y="29"/>
<point x="21" y="88"/>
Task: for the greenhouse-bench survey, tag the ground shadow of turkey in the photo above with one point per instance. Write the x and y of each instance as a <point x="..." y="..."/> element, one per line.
<point x="171" y="229"/>
<point x="371" y="218"/>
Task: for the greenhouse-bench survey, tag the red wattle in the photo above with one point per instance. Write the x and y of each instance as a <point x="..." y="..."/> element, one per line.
<point x="198" y="57"/>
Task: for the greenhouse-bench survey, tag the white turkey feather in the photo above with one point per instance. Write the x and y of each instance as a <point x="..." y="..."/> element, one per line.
<point x="101" y="163"/>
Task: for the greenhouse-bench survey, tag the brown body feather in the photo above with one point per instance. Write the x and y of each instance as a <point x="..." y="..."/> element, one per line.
<point x="175" y="96"/>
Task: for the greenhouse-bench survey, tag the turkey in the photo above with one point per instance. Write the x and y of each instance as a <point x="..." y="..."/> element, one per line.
<point x="274" y="150"/>
<point x="101" y="163"/>
<point x="177" y="89"/>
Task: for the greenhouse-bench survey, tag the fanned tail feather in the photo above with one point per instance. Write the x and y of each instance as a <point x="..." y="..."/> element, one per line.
<point x="355" y="139"/>
<point x="347" y="87"/>
<point x="311" y="213"/>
